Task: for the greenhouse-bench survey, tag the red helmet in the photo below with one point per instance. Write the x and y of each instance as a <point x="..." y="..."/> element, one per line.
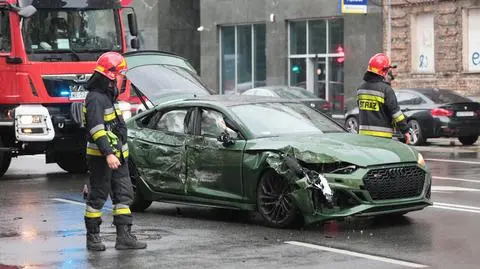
<point x="380" y="64"/>
<point x="111" y="64"/>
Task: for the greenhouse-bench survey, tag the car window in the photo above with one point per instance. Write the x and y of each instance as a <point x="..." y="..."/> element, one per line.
<point x="405" y="98"/>
<point x="289" y="119"/>
<point x="213" y="124"/>
<point x="172" y="122"/>
<point x="441" y="96"/>
<point x="5" y="42"/>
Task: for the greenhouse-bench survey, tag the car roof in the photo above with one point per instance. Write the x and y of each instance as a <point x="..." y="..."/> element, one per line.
<point x="235" y="100"/>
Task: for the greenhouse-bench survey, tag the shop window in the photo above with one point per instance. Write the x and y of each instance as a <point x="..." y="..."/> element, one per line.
<point x="423" y="44"/>
<point x="243" y="55"/>
<point x="320" y="71"/>
<point x="472" y="34"/>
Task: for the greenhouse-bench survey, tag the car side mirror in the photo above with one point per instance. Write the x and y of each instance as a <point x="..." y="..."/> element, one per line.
<point x="226" y="139"/>
<point x="27" y="11"/>
<point x="135" y="43"/>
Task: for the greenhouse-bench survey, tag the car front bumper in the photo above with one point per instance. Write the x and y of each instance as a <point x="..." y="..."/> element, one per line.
<point x="352" y="198"/>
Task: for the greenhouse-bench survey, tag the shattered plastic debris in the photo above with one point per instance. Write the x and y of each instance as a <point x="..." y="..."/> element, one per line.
<point x="288" y="166"/>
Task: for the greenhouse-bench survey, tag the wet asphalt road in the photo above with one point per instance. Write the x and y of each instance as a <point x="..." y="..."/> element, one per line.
<point x="42" y="227"/>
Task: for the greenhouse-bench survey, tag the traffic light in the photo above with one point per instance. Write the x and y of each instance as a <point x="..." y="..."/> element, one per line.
<point x="342" y="53"/>
<point x="296" y="69"/>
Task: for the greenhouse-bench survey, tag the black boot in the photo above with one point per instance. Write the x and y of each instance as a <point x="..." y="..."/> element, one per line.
<point x="94" y="242"/>
<point x="125" y="239"/>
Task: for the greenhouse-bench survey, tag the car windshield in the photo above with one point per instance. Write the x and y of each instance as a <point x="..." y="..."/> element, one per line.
<point x="67" y="30"/>
<point x="159" y="80"/>
<point x="144" y="59"/>
<point x="290" y="119"/>
<point x="294" y="93"/>
<point x="444" y="96"/>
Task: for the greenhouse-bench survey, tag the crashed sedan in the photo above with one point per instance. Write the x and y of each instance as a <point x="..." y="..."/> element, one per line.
<point x="278" y="157"/>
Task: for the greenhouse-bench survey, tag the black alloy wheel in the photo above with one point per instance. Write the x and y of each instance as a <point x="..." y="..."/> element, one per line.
<point x="274" y="202"/>
<point x="351" y="124"/>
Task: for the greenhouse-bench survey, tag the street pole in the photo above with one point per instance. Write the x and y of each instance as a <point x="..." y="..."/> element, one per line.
<point x="389" y="29"/>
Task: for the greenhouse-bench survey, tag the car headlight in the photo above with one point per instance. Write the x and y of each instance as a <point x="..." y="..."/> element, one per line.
<point x="420" y="160"/>
<point x="29" y="119"/>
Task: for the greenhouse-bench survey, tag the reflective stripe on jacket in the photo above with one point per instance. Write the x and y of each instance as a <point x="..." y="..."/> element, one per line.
<point x="107" y="133"/>
<point x="379" y="112"/>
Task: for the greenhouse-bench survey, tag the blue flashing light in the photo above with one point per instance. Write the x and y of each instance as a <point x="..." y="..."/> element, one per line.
<point x="65" y="93"/>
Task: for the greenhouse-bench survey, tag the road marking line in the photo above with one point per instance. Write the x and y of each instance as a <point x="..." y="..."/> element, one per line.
<point x="73" y="202"/>
<point x="457" y="206"/>
<point x="456" y="209"/>
<point x="357" y="254"/>
<point x="457" y="179"/>
<point x="451" y="161"/>
<point x="453" y="188"/>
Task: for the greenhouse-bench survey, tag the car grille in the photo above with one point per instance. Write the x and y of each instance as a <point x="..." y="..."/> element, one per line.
<point x="394" y="183"/>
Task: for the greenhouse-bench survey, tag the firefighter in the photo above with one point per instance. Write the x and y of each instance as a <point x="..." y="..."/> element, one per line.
<point x="107" y="153"/>
<point x="378" y="107"/>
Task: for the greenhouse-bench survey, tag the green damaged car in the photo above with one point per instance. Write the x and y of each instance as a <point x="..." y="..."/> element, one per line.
<point x="278" y="157"/>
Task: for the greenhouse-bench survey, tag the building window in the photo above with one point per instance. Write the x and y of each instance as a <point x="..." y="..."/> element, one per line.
<point x="472" y="44"/>
<point x="243" y="57"/>
<point x="316" y="59"/>
<point x="423" y="44"/>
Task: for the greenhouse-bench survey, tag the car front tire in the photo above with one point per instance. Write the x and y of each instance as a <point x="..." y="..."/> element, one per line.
<point x="5" y="160"/>
<point x="139" y="203"/>
<point x="72" y="161"/>
<point x="468" y="140"/>
<point x="274" y="203"/>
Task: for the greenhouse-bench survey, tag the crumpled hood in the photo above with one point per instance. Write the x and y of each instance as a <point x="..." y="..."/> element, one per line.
<point x="346" y="147"/>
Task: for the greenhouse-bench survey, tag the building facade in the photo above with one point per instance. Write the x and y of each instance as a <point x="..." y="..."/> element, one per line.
<point x="306" y="43"/>
<point x="436" y="44"/>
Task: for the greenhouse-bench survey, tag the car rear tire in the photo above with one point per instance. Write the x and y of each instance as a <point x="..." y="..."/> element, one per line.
<point x="274" y="203"/>
<point x="139" y="203"/>
<point x="72" y="161"/>
<point x="351" y="124"/>
<point x="5" y="160"/>
<point x="468" y="140"/>
<point x="415" y="125"/>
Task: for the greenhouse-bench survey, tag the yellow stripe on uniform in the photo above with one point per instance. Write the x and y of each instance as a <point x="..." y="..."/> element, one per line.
<point x="122" y="211"/>
<point x="94" y="152"/>
<point x="399" y="118"/>
<point x="109" y="117"/>
<point x="376" y="133"/>
<point x="371" y="98"/>
<point x="99" y="134"/>
<point x="93" y="214"/>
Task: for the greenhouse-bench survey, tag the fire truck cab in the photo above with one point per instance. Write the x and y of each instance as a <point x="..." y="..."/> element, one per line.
<point x="48" y="50"/>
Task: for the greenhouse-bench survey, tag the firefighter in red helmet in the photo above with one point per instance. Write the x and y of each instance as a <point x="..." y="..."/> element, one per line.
<point x="107" y="153"/>
<point x="379" y="112"/>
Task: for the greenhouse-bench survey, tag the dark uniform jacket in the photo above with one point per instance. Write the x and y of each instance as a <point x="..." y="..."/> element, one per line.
<point x="106" y="130"/>
<point x="378" y="108"/>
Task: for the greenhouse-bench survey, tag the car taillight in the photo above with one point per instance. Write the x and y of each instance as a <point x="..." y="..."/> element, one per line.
<point x="441" y="112"/>
<point x="326" y="106"/>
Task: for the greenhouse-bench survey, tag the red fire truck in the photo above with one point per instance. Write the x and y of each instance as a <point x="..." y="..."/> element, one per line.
<point x="48" y="49"/>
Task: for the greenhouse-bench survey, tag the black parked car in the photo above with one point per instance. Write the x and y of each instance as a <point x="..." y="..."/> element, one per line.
<point x="297" y="93"/>
<point x="434" y="113"/>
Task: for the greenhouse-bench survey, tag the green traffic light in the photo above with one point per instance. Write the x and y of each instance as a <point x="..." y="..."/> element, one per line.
<point x="296" y="69"/>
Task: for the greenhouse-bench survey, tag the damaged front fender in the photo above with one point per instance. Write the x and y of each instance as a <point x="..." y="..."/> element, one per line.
<point x="306" y="180"/>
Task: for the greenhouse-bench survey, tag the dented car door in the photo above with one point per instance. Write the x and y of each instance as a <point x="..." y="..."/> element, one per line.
<point x="159" y="150"/>
<point x="214" y="170"/>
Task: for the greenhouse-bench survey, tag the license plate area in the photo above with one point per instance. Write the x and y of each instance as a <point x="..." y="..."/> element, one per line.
<point x="78" y="92"/>
<point x="465" y="114"/>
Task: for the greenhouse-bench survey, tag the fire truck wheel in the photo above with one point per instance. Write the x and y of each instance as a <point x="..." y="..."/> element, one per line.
<point x="72" y="162"/>
<point x="5" y="159"/>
